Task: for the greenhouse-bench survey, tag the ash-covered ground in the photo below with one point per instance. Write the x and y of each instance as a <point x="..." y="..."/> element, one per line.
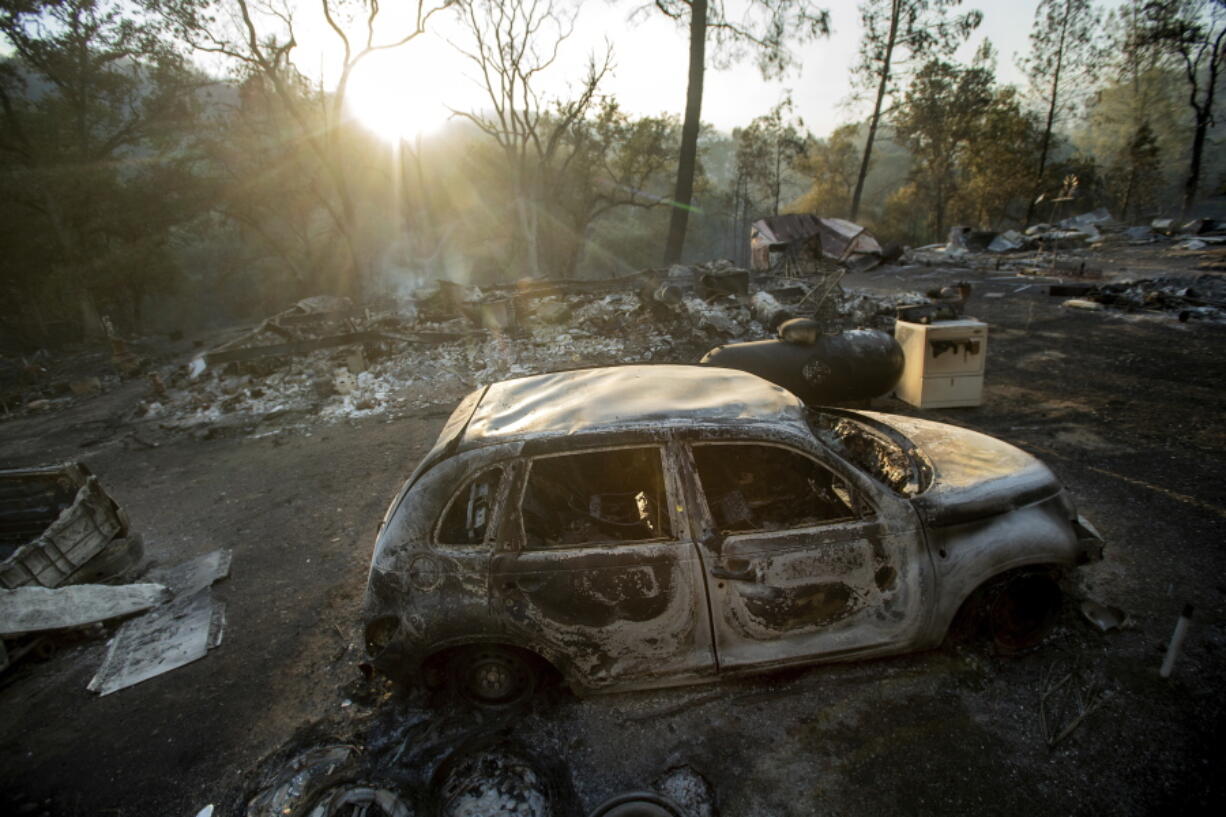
<point x="1124" y="402"/>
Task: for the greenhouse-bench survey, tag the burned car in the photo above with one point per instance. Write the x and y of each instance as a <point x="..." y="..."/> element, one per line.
<point x="644" y="526"/>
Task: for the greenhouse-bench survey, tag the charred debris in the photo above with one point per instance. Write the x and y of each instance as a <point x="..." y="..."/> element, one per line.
<point x="68" y="561"/>
<point x="327" y="359"/>
<point x="1071" y="248"/>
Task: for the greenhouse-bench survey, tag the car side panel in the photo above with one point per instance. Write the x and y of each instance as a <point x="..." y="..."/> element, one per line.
<point x="436" y="594"/>
<point x="624" y="614"/>
<point x="821" y="591"/>
<point x="835" y="589"/>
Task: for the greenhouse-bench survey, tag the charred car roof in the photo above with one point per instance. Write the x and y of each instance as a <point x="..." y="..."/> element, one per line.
<point x="610" y="398"/>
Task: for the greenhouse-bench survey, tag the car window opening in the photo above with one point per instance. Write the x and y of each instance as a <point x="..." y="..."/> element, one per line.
<point x="766" y="488"/>
<point x="596" y="497"/>
<point x="468" y="515"/>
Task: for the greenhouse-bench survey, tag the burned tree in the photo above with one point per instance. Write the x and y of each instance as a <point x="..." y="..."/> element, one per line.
<point x="1193" y="32"/>
<point x="568" y="161"/>
<point x="898" y="33"/>
<point x="510" y="51"/>
<point x="767" y="29"/>
<point x="1063" y="58"/>
<point x="257" y="38"/>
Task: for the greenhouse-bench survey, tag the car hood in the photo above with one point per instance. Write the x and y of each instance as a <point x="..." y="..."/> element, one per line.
<point x="973" y="475"/>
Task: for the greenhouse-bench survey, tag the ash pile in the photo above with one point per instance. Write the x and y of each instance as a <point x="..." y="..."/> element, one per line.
<point x="328" y="359"/>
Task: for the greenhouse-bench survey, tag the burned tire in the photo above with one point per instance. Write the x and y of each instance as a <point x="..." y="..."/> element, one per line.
<point x="360" y="801"/>
<point x="493" y="676"/>
<point x="1021" y="609"/>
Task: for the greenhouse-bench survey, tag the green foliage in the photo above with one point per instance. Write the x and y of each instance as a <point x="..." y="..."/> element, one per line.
<point x="767" y="151"/>
<point x="833" y="164"/>
<point x="94" y="105"/>
<point x="971" y="143"/>
<point x="1192" y="34"/>
<point x="898" y="36"/>
<point x="1141" y="99"/>
<point x="1065" y="55"/>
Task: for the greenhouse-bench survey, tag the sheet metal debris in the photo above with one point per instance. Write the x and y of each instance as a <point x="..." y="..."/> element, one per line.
<point x="1103" y="616"/>
<point x="36" y="609"/>
<point x="172" y="635"/>
<point x="195" y="574"/>
<point x="169" y="637"/>
<point x="1196" y="297"/>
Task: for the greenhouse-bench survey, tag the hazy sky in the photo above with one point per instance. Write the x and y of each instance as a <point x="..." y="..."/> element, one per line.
<point x="651" y="63"/>
<point x="410" y="88"/>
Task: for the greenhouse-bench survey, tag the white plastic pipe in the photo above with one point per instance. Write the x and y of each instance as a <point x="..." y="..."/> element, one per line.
<point x="1177" y="637"/>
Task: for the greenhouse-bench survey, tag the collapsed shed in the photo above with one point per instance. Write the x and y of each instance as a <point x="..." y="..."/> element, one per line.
<point x="795" y="243"/>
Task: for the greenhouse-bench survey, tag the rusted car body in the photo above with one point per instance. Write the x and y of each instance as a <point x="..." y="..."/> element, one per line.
<point x="643" y="526"/>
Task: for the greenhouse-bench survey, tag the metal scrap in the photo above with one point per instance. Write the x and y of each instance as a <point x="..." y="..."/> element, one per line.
<point x="195" y="574"/>
<point x="56" y="523"/>
<point x="1066" y="699"/>
<point x="36" y="609"/>
<point x="1103" y="616"/>
<point x="172" y="635"/>
<point x="166" y="638"/>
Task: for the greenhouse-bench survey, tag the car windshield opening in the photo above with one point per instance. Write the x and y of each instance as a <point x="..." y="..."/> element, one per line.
<point x="872" y="450"/>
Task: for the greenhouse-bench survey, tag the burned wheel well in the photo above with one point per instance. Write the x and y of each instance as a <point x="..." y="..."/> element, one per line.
<point x="1012" y="610"/>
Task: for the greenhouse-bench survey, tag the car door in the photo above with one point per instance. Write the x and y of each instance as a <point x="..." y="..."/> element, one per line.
<point x="802" y="562"/>
<point x="599" y="569"/>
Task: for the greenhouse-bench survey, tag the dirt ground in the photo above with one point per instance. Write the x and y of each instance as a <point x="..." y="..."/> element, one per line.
<point x="1128" y="409"/>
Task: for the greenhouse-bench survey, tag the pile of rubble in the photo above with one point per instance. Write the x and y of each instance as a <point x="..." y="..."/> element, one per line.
<point x="1094" y="229"/>
<point x="1200" y="297"/>
<point x="326" y="358"/>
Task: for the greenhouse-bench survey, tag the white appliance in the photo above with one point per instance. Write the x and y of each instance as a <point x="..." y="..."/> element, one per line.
<point x="944" y="362"/>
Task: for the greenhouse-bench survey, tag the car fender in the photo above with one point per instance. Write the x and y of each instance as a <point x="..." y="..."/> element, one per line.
<point x="967" y="555"/>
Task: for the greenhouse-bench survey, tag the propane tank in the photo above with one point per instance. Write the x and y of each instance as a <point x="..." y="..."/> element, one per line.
<point x="843" y="367"/>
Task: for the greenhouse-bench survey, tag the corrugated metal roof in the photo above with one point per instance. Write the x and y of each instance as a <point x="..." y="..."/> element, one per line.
<point x="789" y="227"/>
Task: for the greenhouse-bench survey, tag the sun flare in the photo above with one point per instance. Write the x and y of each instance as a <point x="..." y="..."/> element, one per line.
<point x="396" y="101"/>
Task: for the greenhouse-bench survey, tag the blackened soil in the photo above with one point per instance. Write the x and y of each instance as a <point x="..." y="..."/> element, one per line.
<point x="1127" y="409"/>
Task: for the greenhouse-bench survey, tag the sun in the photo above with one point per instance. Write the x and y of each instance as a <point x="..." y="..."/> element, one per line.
<point x="395" y="98"/>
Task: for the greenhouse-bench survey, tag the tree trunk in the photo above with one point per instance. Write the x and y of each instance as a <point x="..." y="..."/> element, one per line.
<point x="1051" y="118"/>
<point x="1204" y="120"/>
<point x="1192" y="185"/>
<point x="872" y="125"/>
<point x="689" y="134"/>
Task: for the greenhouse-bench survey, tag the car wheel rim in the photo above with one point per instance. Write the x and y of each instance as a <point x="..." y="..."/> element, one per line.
<point x="496" y="678"/>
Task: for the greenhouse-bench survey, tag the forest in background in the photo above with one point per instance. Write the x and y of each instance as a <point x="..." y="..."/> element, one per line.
<point x="167" y="165"/>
